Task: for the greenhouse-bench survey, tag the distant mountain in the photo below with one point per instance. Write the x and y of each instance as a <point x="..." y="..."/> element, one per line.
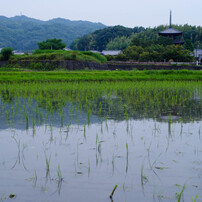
<point x="23" y="33"/>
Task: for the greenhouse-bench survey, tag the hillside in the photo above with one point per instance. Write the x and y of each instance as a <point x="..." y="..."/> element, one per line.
<point x="23" y="33"/>
<point x="99" y="39"/>
<point x="119" y="37"/>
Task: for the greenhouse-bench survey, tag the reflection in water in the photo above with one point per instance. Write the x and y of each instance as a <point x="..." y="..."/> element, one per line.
<point x="78" y="140"/>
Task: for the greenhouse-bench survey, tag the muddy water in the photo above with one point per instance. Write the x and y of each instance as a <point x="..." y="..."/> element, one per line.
<point x="151" y="154"/>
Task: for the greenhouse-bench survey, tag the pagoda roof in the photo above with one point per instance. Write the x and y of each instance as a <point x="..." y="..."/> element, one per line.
<point x="170" y="30"/>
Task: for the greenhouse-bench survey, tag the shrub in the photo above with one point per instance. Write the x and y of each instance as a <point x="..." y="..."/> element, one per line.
<point x="36" y="66"/>
<point x="6" y="53"/>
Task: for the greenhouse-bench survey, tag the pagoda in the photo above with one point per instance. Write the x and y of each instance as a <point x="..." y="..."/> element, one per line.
<point x="172" y="33"/>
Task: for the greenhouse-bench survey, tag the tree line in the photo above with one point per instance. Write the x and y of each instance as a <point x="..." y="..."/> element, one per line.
<point x="142" y="44"/>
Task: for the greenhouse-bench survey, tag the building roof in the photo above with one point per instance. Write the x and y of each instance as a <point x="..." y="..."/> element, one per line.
<point x="95" y="51"/>
<point x="111" y="52"/>
<point x="170" y="30"/>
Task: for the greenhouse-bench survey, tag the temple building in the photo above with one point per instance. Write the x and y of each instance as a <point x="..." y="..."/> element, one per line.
<point x="172" y="33"/>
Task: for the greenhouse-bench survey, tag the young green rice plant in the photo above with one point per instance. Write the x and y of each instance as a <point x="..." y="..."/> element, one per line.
<point x="113" y="159"/>
<point x="126" y="150"/>
<point x="48" y="166"/>
<point x="33" y="125"/>
<point x="67" y="132"/>
<point x="144" y="179"/>
<point x="59" y="174"/>
<point x="18" y="157"/>
<point x="33" y="178"/>
<point x="84" y="131"/>
<point x="178" y="195"/>
<point x="27" y="122"/>
<point x="88" y="167"/>
<point x="112" y="193"/>
<point x="194" y="199"/>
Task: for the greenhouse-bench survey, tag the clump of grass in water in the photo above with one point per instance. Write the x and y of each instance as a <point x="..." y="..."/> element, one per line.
<point x="144" y="179"/>
<point x="59" y="174"/>
<point x="48" y="165"/>
<point x="178" y="195"/>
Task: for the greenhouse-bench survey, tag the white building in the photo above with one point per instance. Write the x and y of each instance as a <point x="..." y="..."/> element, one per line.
<point x="198" y="55"/>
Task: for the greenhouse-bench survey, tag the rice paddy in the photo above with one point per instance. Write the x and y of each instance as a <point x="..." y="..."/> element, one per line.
<point x="101" y="141"/>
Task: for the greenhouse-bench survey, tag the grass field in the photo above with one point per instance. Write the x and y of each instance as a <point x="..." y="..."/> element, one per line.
<point x="17" y="75"/>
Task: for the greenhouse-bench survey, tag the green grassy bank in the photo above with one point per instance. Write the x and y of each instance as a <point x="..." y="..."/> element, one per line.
<point x="56" y="55"/>
<point x="146" y="75"/>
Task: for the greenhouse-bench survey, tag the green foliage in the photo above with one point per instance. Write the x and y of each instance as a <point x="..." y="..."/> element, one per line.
<point x="99" y="39"/>
<point x="23" y="33"/>
<point x="42" y="67"/>
<point x="39" y="60"/>
<point x="118" y="43"/>
<point x="165" y="41"/>
<point x="133" y="52"/>
<point x="6" y="53"/>
<point x="147" y="75"/>
<point x="158" y="53"/>
<point x="119" y="37"/>
<point x="177" y="54"/>
<point x="188" y="45"/>
<point x="52" y="44"/>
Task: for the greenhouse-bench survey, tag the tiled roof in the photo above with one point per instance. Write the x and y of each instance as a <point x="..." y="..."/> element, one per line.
<point x="111" y="52"/>
<point x="170" y="31"/>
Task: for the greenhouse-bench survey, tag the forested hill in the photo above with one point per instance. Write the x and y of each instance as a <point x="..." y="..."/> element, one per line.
<point x="23" y="33"/>
<point x="119" y="38"/>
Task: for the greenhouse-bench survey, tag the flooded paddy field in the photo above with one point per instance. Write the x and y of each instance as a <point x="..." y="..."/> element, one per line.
<point x="75" y="141"/>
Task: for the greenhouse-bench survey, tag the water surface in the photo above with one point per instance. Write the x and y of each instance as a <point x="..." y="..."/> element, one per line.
<point x="76" y="141"/>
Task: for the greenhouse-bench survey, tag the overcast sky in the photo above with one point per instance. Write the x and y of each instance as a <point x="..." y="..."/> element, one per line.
<point x="129" y="13"/>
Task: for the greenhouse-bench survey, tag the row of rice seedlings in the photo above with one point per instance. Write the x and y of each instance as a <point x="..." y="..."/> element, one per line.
<point x="99" y="98"/>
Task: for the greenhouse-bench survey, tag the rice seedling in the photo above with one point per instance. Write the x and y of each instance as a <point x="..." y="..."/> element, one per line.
<point x="102" y="104"/>
<point x="194" y="199"/>
<point x="27" y="122"/>
<point x="88" y="167"/>
<point x="126" y="157"/>
<point x="113" y="163"/>
<point x="144" y="178"/>
<point x="48" y="159"/>
<point x="112" y="193"/>
<point x="59" y="174"/>
<point x="178" y="195"/>
<point x="33" y="178"/>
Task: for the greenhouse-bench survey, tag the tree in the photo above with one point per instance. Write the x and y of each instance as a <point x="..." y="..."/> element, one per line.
<point x="133" y="52"/>
<point x="6" y="53"/>
<point x="53" y="44"/>
<point x="177" y="54"/>
<point x="188" y="45"/>
<point x="118" y="43"/>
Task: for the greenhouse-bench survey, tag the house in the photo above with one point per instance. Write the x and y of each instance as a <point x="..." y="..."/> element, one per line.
<point x="198" y="55"/>
<point x="16" y="52"/>
<point x="66" y="49"/>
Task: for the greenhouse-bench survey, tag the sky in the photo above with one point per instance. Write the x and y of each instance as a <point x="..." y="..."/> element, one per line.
<point x="129" y="13"/>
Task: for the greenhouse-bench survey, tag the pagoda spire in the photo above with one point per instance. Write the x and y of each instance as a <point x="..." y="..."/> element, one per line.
<point x="170" y="19"/>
